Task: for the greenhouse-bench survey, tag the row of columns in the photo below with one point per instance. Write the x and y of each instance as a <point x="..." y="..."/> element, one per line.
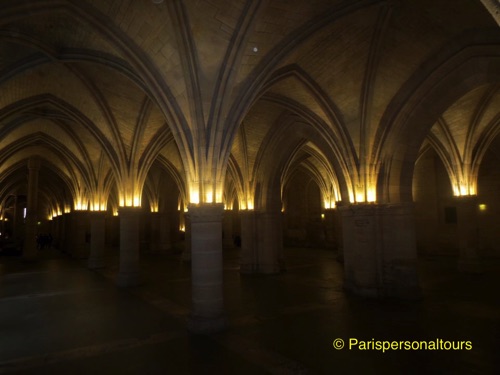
<point x="378" y="245"/>
<point x="30" y="245"/>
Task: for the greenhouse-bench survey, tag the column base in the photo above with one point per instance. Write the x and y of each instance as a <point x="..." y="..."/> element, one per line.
<point x="30" y="258"/>
<point x="203" y="326"/>
<point x="248" y="269"/>
<point x="469" y="261"/>
<point x="128" y="279"/>
<point x="186" y="257"/>
<point x="362" y="291"/>
<point x="396" y="291"/>
<point x="95" y="263"/>
<point x="269" y="269"/>
<point x="470" y="266"/>
<point x="228" y="243"/>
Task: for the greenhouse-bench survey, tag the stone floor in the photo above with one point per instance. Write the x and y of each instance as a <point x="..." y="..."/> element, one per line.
<point x="57" y="317"/>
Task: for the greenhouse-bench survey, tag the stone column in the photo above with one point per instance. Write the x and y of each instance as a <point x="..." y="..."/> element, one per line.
<point x="154" y="235"/>
<point x="227" y="225"/>
<point x="467" y="234"/>
<point x="144" y="232"/>
<point x="30" y="250"/>
<point x="380" y="250"/>
<point x="329" y="224"/>
<point x="80" y="234"/>
<point x="64" y="232"/>
<point x="207" y="313"/>
<point x="248" y="262"/>
<point x="165" y="233"/>
<point x="17" y="226"/>
<point x="339" y="240"/>
<point x="269" y="242"/>
<point x="186" y="254"/>
<point x="128" y="274"/>
<point x="361" y="249"/>
<point x="58" y="232"/>
<point x="97" y="239"/>
<point x="399" y="257"/>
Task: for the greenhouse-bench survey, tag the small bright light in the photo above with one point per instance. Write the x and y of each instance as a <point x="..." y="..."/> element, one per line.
<point x="482" y="207"/>
<point x="255" y="49"/>
<point x="322" y="216"/>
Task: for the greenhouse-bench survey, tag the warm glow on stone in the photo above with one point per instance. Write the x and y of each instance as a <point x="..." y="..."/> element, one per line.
<point x="370" y="195"/>
<point x="79" y="206"/>
<point x="209" y="197"/>
<point x="250" y="204"/>
<point x="360" y="197"/>
<point x="194" y="196"/>
<point x="363" y="195"/>
<point x="463" y="190"/>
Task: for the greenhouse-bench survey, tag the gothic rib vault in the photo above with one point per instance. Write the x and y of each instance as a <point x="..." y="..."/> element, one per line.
<point x="191" y="104"/>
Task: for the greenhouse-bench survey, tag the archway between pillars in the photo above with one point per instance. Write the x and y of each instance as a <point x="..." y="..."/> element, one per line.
<point x="442" y="228"/>
<point x="390" y="267"/>
<point x="262" y="227"/>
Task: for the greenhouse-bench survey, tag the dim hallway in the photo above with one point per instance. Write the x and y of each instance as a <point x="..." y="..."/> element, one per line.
<point x="58" y="317"/>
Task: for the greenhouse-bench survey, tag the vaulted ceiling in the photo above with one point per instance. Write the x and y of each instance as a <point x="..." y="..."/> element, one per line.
<point x="101" y="90"/>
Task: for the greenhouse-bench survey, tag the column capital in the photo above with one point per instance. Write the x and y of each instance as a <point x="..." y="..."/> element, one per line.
<point x="97" y="214"/>
<point x="376" y="208"/>
<point x="129" y="210"/>
<point x="205" y="212"/>
<point x="466" y="199"/>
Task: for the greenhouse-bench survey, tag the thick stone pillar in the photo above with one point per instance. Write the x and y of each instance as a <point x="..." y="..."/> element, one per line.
<point x="467" y="234"/>
<point x="361" y="249"/>
<point x="112" y="230"/>
<point x="80" y="234"/>
<point x="269" y="242"/>
<point x="186" y="254"/>
<point x="59" y="231"/>
<point x="227" y="229"/>
<point x="339" y="240"/>
<point x="165" y="232"/>
<point x="261" y="242"/>
<point x="248" y="261"/>
<point x="207" y="313"/>
<point x="65" y="232"/>
<point x="30" y="250"/>
<point x="18" y="230"/>
<point x="380" y="250"/>
<point x="97" y="239"/>
<point x="128" y="274"/>
<point x="399" y="276"/>
<point x="154" y="233"/>
<point x="160" y="233"/>
<point x="329" y="224"/>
